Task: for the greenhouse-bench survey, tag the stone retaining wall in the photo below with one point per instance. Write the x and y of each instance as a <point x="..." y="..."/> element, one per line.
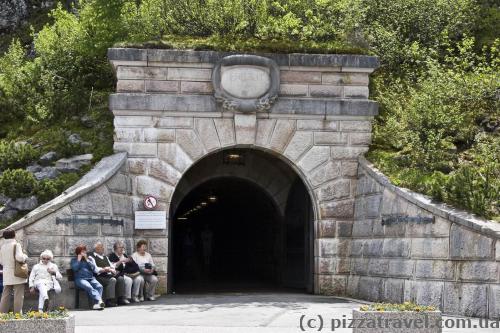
<point x="83" y="214"/>
<point x="453" y="263"/>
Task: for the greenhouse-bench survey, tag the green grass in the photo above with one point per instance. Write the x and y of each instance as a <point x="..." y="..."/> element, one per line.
<point x="228" y="44"/>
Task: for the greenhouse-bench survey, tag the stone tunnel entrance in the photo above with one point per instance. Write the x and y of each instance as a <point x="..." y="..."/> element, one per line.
<point x="241" y="220"/>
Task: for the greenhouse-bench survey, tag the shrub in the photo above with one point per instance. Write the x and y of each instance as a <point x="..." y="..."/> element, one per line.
<point x="17" y="183"/>
<point x="16" y="155"/>
<point x="405" y="33"/>
<point x="282" y="20"/>
<point x="48" y="189"/>
<point x="476" y="184"/>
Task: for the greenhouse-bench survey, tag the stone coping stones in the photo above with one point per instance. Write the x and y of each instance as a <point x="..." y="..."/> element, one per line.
<point x="50" y="325"/>
<point x="293" y="59"/>
<point x="396" y="321"/>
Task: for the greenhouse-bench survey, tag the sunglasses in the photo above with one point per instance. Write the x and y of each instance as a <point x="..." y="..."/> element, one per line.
<point x="45" y="258"/>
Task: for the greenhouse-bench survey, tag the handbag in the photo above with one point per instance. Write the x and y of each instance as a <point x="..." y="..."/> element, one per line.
<point x="131" y="269"/>
<point x="20" y="268"/>
<point x="132" y="275"/>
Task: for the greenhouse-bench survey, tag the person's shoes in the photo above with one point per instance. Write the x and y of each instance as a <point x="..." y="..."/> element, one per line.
<point x="110" y="304"/>
<point x="141" y="299"/>
<point x="123" y="301"/>
<point x="135" y="299"/>
<point x="46" y="305"/>
<point x="101" y="304"/>
<point x="97" y="306"/>
<point x="151" y="298"/>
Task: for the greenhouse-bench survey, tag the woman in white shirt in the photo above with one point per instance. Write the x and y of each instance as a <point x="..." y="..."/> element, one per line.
<point x="44" y="277"/>
<point x="147" y="268"/>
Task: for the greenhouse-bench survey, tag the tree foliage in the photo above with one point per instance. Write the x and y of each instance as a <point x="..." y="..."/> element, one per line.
<point x="437" y="87"/>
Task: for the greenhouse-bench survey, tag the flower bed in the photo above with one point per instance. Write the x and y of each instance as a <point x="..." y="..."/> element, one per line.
<point x="58" y="321"/>
<point x="388" y="318"/>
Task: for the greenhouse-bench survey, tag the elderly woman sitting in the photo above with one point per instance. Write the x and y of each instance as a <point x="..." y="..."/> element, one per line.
<point x="43" y="278"/>
<point x="84" y="269"/>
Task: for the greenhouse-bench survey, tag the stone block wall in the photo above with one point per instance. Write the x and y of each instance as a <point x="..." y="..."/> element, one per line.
<point x="167" y="119"/>
<point x="97" y="208"/>
<point x="452" y="263"/>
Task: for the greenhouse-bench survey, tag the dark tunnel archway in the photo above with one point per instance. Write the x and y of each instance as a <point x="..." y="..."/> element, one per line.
<point x="241" y="219"/>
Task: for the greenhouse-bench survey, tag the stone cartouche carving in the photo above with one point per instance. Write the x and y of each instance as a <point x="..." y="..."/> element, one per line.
<point x="246" y="83"/>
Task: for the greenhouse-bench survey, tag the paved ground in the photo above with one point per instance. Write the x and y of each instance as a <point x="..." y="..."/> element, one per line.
<point x="228" y="312"/>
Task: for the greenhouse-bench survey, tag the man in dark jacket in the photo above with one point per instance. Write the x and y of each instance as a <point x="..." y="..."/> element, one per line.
<point x="106" y="274"/>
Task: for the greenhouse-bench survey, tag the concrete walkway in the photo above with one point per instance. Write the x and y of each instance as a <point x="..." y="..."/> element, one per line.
<point x="224" y="312"/>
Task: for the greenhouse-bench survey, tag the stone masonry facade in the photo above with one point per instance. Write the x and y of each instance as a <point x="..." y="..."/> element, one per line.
<point x="167" y="119"/>
<point x="452" y="263"/>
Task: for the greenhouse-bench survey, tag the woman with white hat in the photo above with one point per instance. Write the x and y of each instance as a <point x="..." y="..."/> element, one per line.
<point x="44" y="277"/>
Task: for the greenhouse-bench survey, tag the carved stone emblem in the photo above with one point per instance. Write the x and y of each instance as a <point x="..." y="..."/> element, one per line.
<point x="246" y="83"/>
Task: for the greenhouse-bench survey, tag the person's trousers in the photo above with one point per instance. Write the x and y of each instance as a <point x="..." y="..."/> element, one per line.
<point x="150" y="282"/>
<point x="43" y="292"/>
<point x="137" y="285"/>
<point x="124" y="286"/>
<point x="109" y="284"/>
<point x="92" y="287"/>
<point x="18" y="298"/>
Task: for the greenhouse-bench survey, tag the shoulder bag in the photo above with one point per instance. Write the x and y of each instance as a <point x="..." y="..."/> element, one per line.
<point x="21" y="268"/>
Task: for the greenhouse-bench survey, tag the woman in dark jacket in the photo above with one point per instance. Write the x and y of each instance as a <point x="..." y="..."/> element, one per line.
<point x="129" y="270"/>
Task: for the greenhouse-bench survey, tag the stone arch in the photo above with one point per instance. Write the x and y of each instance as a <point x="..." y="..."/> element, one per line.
<point x="265" y="170"/>
<point x="286" y="168"/>
<point x="314" y="163"/>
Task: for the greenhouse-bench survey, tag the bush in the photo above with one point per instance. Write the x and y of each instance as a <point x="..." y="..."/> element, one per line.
<point x="48" y="189"/>
<point x="405" y="33"/>
<point x="56" y="139"/>
<point x="437" y="88"/>
<point x="441" y="116"/>
<point x="16" y="155"/>
<point x="283" y="20"/>
<point x="475" y="185"/>
<point x="441" y="135"/>
<point x="17" y="183"/>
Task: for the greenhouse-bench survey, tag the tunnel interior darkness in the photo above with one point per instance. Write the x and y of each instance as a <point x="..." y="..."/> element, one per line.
<point x="229" y="234"/>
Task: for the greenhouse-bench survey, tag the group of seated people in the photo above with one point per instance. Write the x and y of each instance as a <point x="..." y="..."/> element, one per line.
<point x="120" y="278"/>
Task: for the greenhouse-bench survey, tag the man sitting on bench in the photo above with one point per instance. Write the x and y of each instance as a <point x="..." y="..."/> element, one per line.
<point x="107" y="275"/>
